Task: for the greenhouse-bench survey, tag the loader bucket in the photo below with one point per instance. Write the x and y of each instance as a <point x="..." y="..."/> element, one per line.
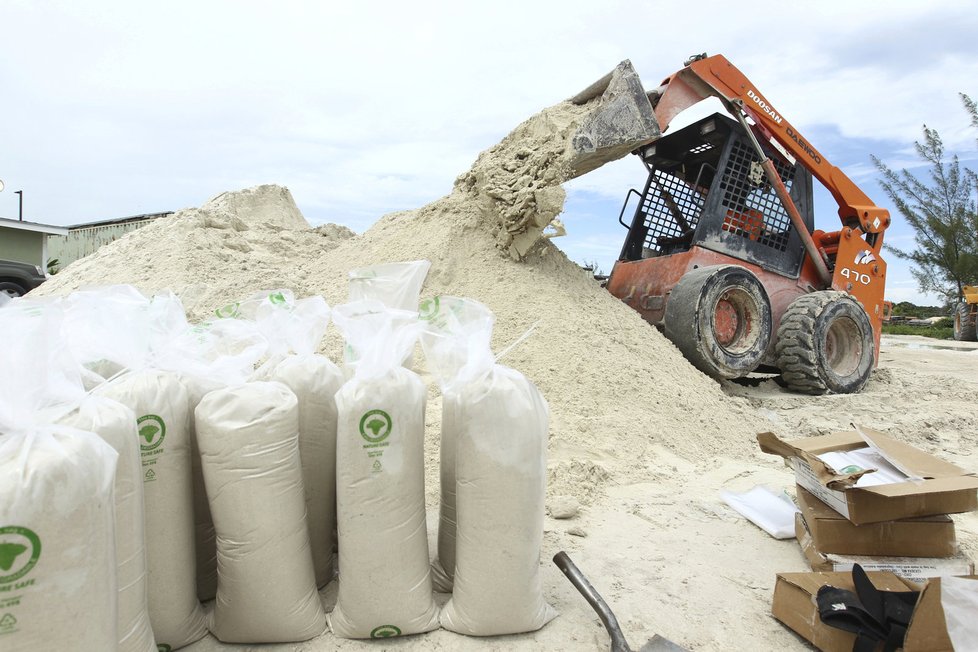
<point x="621" y="119"/>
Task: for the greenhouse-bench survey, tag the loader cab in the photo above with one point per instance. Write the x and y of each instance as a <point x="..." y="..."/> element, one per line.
<point x="706" y="188"/>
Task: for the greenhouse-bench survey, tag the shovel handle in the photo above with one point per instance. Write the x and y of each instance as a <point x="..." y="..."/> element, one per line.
<point x="576" y="577"/>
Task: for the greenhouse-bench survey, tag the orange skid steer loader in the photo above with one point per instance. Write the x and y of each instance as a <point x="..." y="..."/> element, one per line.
<point x="722" y="252"/>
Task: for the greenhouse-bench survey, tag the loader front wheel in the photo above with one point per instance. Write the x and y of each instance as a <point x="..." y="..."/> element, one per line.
<point x="964" y="323"/>
<point x="825" y="344"/>
<point x="720" y="318"/>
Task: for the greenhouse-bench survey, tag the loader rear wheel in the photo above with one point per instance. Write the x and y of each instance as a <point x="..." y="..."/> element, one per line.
<point x="825" y="344"/>
<point x="964" y="323"/>
<point x="720" y="318"/>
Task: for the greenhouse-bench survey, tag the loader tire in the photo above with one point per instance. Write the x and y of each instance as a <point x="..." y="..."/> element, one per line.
<point x="964" y="323"/>
<point x="720" y="318"/>
<point x="825" y="344"/>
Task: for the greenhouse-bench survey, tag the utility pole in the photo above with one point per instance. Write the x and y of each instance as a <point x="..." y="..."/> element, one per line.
<point x="20" y="209"/>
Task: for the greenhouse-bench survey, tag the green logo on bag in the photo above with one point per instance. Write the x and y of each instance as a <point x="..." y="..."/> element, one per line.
<point x="385" y="631"/>
<point x="375" y="426"/>
<point x="429" y="309"/>
<point x="19" y="551"/>
<point x="151" y="430"/>
<point x="229" y="311"/>
<point x="276" y="299"/>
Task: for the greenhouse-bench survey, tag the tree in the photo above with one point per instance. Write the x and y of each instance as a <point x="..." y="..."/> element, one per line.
<point x="943" y="214"/>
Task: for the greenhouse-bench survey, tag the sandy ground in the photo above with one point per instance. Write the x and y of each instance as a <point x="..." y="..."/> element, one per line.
<point x="683" y="564"/>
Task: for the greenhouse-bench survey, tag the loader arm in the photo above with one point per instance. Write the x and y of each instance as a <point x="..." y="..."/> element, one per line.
<point x="715" y="76"/>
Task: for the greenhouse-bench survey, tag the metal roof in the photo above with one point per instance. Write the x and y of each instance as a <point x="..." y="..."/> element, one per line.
<point x="120" y="220"/>
<point x="33" y="226"/>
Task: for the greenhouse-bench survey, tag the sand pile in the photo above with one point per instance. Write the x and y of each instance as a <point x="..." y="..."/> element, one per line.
<point x="210" y="255"/>
<point x="618" y="390"/>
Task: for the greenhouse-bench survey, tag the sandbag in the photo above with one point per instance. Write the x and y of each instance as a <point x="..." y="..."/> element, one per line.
<point x="456" y="342"/>
<point x="385" y="578"/>
<point x="314" y="379"/>
<point x="116" y="425"/>
<point x="248" y="436"/>
<point x="501" y="487"/>
<point x="161" y="405"/>
<point x="57" y="545"/>
<point x="263" y="325"/>
<point x="223" y="352"/>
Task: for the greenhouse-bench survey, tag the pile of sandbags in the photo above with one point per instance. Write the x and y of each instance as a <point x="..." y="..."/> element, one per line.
<point x="219" y="455"/>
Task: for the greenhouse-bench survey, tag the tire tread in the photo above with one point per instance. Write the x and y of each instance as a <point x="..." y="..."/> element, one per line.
<point x="796" y="348"/>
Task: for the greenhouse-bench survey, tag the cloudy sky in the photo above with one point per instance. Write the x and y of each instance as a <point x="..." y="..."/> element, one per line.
<point x="116" y="108"/>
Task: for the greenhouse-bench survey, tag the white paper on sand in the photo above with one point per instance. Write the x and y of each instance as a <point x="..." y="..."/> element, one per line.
<point x="773" y="513"/>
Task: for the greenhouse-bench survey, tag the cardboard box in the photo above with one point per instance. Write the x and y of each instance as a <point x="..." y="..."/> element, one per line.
<point x="915" y="569"/>
<point x="928" y="629"/>
<point x="794" y="605"/>
<point x="939" y="487"/>
<point x="832" y="533"/>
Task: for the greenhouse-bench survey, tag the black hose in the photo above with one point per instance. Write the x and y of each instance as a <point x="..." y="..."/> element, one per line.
<point x="574" y="574"/>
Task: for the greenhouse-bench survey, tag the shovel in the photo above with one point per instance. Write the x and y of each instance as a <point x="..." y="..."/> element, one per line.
<point x="618" y="642"/>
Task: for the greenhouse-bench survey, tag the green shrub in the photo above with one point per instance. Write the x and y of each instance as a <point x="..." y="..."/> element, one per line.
<point x="939" y="331"/>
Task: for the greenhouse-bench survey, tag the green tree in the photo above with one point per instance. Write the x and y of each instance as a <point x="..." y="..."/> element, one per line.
<point x="942" y="211"/>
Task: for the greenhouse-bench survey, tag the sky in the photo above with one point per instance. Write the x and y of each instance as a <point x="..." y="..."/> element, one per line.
<point x="116" y="108"/>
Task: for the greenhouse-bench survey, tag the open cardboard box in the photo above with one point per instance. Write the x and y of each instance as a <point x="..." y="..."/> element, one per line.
<point x="938" y="487"/>
<point x="794" y="605"/>
<point x="832" y="533"/>
<point x="915" y="569"/>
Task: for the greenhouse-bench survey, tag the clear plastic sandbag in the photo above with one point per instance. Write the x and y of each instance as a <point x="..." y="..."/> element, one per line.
<point x="248" y="437"/>
<point x="499" y="422"/>
<point x="457" y="333"/>
<point x="380" y="481"/>
<point x="57" y="542"/>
